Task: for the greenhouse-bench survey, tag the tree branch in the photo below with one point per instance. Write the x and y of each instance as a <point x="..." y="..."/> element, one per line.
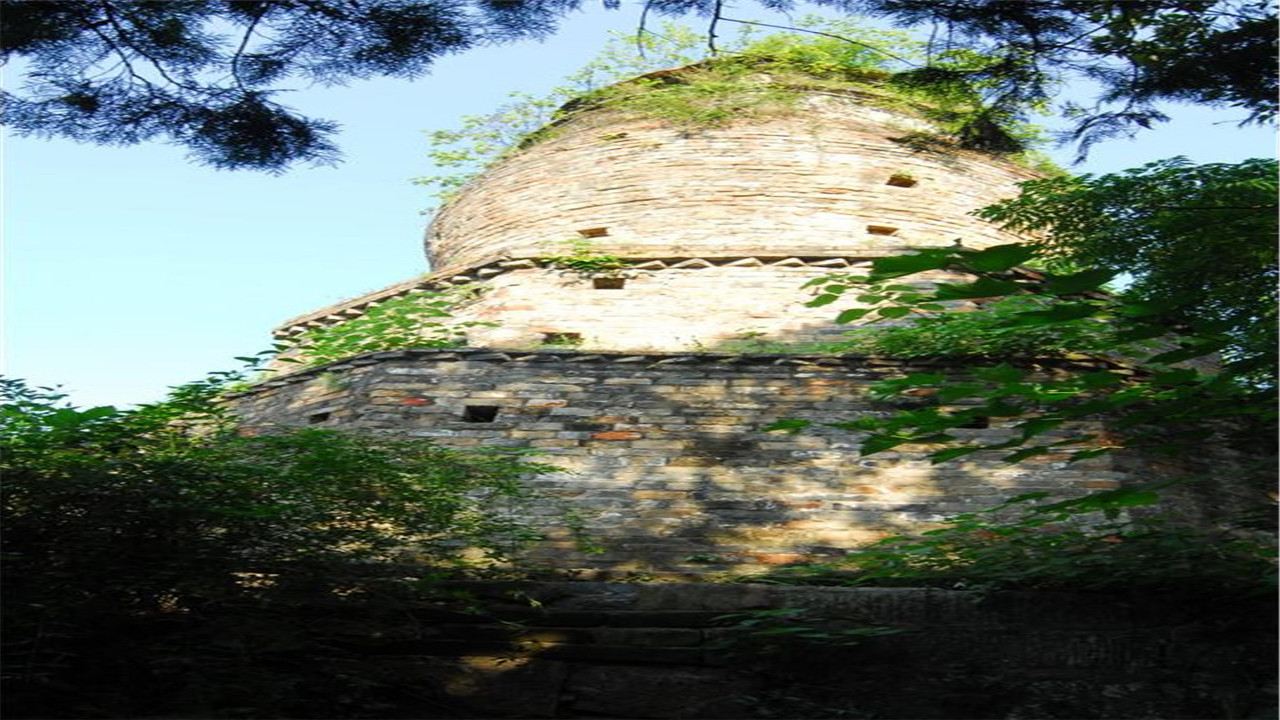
<point x="642" y="28"/>
<point x="244" y="43"/>
<point x="716" y="16"/>
<point x="823" y="34"/>
<point x="107" y="9"/>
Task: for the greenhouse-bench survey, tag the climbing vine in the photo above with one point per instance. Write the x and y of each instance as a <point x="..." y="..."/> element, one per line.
<point x="422" y="319"/>
<point x="991" y="332"/>
<point x="581" y="257"/>
<point x="750" y="77"/>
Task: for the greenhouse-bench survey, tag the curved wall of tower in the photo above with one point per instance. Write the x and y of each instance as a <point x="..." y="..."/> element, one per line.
<point x="813" y="182"/>
<point x="656" y="391"/>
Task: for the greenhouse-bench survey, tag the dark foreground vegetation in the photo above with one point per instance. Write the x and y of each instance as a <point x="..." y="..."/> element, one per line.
<point x="158" y="563"/>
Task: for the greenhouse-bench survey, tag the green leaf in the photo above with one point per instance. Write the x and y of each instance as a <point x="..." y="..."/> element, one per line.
<point x="1025" y="497"/>
<point x="1100" y="379"/>
<point x="1037" y="426"/>
<point x="894" y="312"/>
<point x="1172" y="378"/>
<point x="1056" y="314"/>
<point x="1026" y="453"/>
<point x="942" y="456"/>
<point x="1146" y="309"/>
<point x="899" y="265"/>
<point x="1000" y="374"/>
<point x="1078" y="282"/>
<point x="980" y="288"/>
<point x="823" y="299"/>
<point x="998" y="258"/>
<point x="848" y="316"/>
<point x="951" y="393"/>
<point x="880" y="443"/>
<point x="1108" y="499"/>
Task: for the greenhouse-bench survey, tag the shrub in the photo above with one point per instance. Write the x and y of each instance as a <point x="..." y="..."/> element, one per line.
<point x="138" y="543"/>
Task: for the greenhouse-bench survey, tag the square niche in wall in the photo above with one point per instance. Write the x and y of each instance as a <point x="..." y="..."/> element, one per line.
<point x="480" y="413"/>
<point x="608" y="283"/>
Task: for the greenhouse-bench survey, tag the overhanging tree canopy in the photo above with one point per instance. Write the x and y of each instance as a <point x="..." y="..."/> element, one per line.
<point x="206" y="74"/>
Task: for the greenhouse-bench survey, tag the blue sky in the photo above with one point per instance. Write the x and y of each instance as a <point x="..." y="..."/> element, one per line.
<point x="128" y="270"/>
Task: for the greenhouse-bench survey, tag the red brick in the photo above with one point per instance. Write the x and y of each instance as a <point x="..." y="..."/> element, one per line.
<point x="415" y="401"/>
<point x="616" y="435"/>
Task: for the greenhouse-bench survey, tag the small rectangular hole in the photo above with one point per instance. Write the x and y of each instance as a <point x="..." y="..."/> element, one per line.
<point x="562" y="338"/>
<point x="317" y="418"/>
<point x="882" y="230"/>
<point x="594" y="232"/>
<point x="608" y="283"/>
<point x="978" y="423"/>
<point x="901" y="180"/>
<point x="480" y="413"/>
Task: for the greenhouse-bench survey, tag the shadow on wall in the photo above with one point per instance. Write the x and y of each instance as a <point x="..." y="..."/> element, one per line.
<point x="668" y="468"/>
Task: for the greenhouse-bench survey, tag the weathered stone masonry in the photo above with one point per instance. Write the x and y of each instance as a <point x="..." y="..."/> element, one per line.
<point x="665" y="456"/>
<point x="661" y="436"/>
<point x="755" y="208"/>
<point x="660" y="432"/>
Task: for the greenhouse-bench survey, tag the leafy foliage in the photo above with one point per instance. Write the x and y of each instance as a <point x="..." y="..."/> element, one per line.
<point x="1171" y="316"/>
<point x="582" y="257"/>
<point x="1161" y="224"/>
<point x="1104" y="541"/>
<point x="206" y="75"/>
<point x="1214" y="52"/>
<point x="123" y="528"/>
<point x="1163" y="407"/>
<point x="462" y="153"/>
<point x="750" y="77"/>
<point x="993" y="331"/>
<point x="421" y="319"/>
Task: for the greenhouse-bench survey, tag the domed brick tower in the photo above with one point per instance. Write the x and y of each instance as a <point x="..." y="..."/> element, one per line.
<point x="626" y="277"/>
<point x="719" y="226"/>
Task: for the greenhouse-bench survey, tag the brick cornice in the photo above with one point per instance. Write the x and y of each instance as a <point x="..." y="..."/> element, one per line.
<point x="355" y="307"/>
<point x="570" y="358"/>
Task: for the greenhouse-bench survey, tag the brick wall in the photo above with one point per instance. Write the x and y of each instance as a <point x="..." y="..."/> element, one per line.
<point x="707" y="308"/>
<point x="665" y="457"/>
<point x="812" y="183"/>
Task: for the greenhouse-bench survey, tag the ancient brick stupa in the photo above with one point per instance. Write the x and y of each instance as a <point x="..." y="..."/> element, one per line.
<point x="650" y="379"/>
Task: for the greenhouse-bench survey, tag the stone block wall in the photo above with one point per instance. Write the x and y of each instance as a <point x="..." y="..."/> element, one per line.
<point x="665" y="455"/>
